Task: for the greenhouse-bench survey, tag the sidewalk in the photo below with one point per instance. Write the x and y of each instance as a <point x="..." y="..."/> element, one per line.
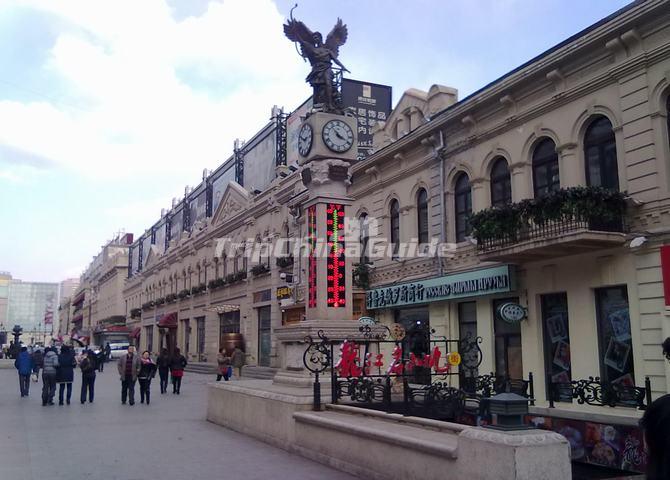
<point x="169" y="439"/>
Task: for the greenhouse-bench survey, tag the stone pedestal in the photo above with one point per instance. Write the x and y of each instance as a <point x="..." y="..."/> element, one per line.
<point x="292" y="349"/>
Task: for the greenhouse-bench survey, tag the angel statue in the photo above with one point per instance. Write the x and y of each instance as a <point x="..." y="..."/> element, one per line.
<point x="320" y="56"/>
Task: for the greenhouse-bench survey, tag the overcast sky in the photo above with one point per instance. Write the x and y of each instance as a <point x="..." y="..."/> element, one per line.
<point x="109" y="108"/>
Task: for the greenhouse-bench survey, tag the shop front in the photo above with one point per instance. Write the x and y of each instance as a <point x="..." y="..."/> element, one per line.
<point x="458" y="305"/>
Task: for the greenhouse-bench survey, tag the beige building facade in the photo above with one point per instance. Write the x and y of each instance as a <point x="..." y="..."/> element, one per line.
<point x="573" y="151"/>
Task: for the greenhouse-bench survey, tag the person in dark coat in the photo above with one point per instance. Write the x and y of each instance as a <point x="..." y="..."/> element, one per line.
<point x="656" y="426"/>
<point x="24" y="364"/>
<point x="65" y="373"/>
<point x="129" y="367"/>
<point x="108" y="352"/>
<point x="147" y="372"/>
<point x="87" y="366"/>
<point x="177" y="365"/>
<point x="49" y="376"/>
<point x="101" y="359"/>
<point x="163" y="364"/>
<point x="38" y="359"/>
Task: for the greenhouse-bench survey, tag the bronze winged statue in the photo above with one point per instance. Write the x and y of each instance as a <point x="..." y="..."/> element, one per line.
<point x="320" y="56"/>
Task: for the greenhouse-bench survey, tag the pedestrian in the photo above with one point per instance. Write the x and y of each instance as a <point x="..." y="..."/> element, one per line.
<point x="87" y="366"/>
<point x="24" y="365"/>
<point x="147" y="372"/>
<point x="129" y="367"/>
<point x="177" y="366"/>
<point x="163" y="363"/>
<point x="108" y="352"/>
<point x="65" y="373"/>
<point x="237" y="360"/>
<point x="49" y="376"/>
<point x="38" y="359"/>
<point x="223" y="361"/>
<point x="656" y="426"/>
<point x="666" y="348"/>
<point x="100" y="357"/>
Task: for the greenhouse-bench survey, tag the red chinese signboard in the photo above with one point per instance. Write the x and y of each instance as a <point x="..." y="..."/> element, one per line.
<point x="336" y="271"/>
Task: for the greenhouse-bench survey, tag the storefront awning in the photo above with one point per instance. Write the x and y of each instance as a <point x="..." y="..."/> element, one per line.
<point x="168" y="320"/>
<point x="79" y="298"/>
<point x="136" y="332"/>
<point x="78" y="318"/>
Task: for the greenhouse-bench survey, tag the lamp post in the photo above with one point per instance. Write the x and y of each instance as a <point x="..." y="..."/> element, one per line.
<point x="510" y="410"/>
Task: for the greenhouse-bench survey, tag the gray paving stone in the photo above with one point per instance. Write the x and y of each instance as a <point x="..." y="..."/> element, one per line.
<point x="169" y="439"/>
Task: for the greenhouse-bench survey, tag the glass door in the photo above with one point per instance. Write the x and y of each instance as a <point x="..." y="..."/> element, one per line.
<point x="507" y="343"/>
<point x="264" y="336"/>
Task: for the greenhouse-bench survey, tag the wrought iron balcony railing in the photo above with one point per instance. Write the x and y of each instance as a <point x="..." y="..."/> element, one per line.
<point x="547" y="230"/>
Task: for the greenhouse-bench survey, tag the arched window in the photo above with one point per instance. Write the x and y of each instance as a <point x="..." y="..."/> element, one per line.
<point x="422" y="215"/>
<point x="501" y="184"/>
<point x="364" y="235"/>
<point x="545" y="168"/>
<point x="394" y="210"/>
<point x="463" y="206"/>
<point x="600" y="155"/>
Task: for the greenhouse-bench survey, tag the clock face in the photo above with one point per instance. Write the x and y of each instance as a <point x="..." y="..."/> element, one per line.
<point x="338" y="136"/>
<point x="305" y="138"/>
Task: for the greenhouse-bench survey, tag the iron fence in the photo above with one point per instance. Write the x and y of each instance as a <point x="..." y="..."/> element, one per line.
<point x="594" y="391"/>
<point x="548" y="229"/>
<point x="417" y="379"/>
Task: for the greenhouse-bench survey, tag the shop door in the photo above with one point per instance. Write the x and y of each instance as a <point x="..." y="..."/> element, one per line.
<point x="264" y="336"/>
<point x="187" y="337"/>
<point x="507" y="343"/>
<point x="200" y="321"/>
<point x="417" y="339"/>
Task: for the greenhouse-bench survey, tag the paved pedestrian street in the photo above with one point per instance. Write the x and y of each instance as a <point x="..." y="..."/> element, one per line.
<point x="169" y="439"/>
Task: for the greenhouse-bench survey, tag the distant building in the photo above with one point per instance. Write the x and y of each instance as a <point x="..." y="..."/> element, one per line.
<point x="68" y="287"/>
<point x="32" y="305"/>
<point x="5" y="278"/>
<point x="95" y="312"/>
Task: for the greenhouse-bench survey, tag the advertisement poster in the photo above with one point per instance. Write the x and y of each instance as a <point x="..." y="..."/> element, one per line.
<point x="259" y="160"/>
<point x="612" y="446"/>
<point x="371" y="103"/>
<point x="220" y="183"/>
<point x="198" y="207"/>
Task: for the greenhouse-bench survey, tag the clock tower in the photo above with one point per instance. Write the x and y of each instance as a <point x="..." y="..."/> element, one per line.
<point x="328" y="146"/>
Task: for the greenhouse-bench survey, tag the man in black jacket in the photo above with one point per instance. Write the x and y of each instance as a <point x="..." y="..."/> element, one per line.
<point x="87" y="376"/>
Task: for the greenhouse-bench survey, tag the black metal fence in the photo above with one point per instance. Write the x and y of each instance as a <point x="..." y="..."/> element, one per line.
<point x="594" y="391"/>
<point x="417" y="379"/>
<point x="548" y="229"/>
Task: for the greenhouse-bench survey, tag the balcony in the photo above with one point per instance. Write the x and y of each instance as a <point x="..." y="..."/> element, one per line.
<point x="567" y="222"/>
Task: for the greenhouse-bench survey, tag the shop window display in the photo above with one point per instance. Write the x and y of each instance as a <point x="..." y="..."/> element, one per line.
<point x="556" y="341"/>
<point x="614" y="335"/>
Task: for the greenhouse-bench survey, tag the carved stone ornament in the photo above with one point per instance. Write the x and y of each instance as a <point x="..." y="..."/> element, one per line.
<point x="327" y="171"/>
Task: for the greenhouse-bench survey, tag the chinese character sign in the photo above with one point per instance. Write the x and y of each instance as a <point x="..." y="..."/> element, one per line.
<point x="336" y="269"/>
<point x="371" y="104"/>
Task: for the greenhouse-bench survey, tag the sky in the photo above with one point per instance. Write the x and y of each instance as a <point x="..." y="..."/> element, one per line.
<point x="109" y="108"/>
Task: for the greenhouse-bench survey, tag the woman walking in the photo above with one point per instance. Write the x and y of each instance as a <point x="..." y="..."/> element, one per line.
<point x="65" y="373"/>
<point x="163" y="363"/>
<point x="147" y="372"/>
<point x="223" y="360"/>
<point x="177" y="366"/>
<point x="88" y="368"/>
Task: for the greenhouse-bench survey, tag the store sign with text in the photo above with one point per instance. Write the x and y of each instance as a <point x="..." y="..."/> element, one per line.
<point x="474" y="283"/>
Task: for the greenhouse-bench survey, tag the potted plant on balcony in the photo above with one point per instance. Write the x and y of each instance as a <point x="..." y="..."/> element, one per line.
<point x="170" y="298"/>
<point x="361" y="275"/>
<point x="260" y="269"/>
<point x="184" y="293"/>
<point x="160" y="301"/>
<point x="283" y="262"/>
<point x="136" y="313"/>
